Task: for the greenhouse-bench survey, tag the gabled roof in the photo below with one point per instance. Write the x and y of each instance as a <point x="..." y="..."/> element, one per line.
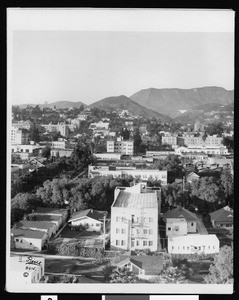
<point x="180" y="212"/>
<point x="152" y="265"/>
<point x="93" y="214"/>
<point x="224" y="214"/>
<point x="27" y="233"/>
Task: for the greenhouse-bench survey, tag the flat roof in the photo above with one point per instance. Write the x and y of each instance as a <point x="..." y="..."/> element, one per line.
<point x="140" y="200"/>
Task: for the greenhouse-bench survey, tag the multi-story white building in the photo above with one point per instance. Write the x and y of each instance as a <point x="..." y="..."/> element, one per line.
<point x="202" y="149"/>
<point x="134" y="218"/>
<point x="169" y="139"/>
<point x="26" y="269"/>
<point x="213" y="140"/>
<point x="142" y="174"/>
<point x="61" y="127"/>
<point x="19" y="136"/>
<point x="121" y="146"/>
<point x="22" y="125"/>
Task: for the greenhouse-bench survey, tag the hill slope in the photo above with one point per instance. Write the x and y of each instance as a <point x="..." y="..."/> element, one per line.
<point x="122" y="102"/>
<point x="171" y="101"/>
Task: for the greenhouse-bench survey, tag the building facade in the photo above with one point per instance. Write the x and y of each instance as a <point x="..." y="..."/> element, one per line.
<point x="121" y="146"/>
<point x="134" y="218"/>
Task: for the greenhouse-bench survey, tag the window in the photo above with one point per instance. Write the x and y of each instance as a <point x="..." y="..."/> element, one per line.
<point x="188" y="248"/>
<point x="150" y="220"/>
<point x="144" y="243"/>
<point x="117" y="242"/>
<point x="123" y="243"/>
<point x="97" y="225"/>
<point x="150" y="243"/>
<point x="150" y="231"/>
<point x="208" y="247"/>
<point x="117" y="230"/>
<point x="192" y="224"/>
<point x="169" y="228"/>
<point x="117" y="219"/>
<point x="145" y="231"/>
<point x="177" y="228"/>
<point x="172" y="247"/>
<point x="183" y="248"/>
<point x="137" y="243"/>
<point x="123" y="231"/>
<point x="27" y="150"/>
<point x="213" y="247"/>
<point x="199" y="248"/>
<point x="17" y="240"/>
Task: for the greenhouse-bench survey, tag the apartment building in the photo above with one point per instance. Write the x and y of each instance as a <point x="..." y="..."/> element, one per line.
<point x="120" y="146"/>
<point x="22" y="125"/>
<point x="134" y="218"/>
<point x="19" y="136"/>
<point x="61" y="127"/>
<point x="169" y="139"/>
<point x="220" y="150"/>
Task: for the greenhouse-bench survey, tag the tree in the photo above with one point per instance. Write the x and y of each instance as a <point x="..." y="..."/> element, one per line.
<point x="221" y="271"/>
<point x="34" y="134"/>
<point x="227" y="183"/>
<point x="46" y="151"/>
<point x="123" y="275"/>
<point x="173" y="275"/>
<point x="137" y="141"/>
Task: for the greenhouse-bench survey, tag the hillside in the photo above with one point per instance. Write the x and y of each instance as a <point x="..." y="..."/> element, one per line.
<point x="171" y="101"/>
<point x="122" y="102"/>
<point x="57" y="104"/>
<point x="210" y="112"/>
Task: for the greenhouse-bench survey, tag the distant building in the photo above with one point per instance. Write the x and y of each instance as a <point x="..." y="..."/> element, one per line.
<point x="22" y="125"/>
<point x="222" y="218"/>
<point x="192" y="176"/>
<point x="121" y="146"/>
<point x="169" y="139"/>
<point x="26" y="151"/>
<point x="48" y="227"/>
<point x="142" y="174"/>
<point x="197" y="126"/>
<point x="60" y="127"/>
<point x="19" y="136"/>
<point x="108" y="155"/>
<point x="193" y="149"/>
<point x="26" y="269"/>
<point x="134" y="218"/>
<point x="190" y="244"/>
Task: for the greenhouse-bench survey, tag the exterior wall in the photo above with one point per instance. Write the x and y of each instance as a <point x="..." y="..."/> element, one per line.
<point x="202" y="149"/>
<point x="177" y="227"/>
<point x="25" y="149"/>
<point x="21" y="242"/>
<point x="219" y="224"/>
<point x="24" y="272"/>
<point x="107" y="155"/>
<point x="18" y="136"/>
<point x="66" y="153"/>
<point x="131" y="228"/>
<point x="180" y="245"/>
<point x="124" y="147"/>
<point x="192" y="227"/>
<point x="169" y="140"/>
<point x="93" y="225"/>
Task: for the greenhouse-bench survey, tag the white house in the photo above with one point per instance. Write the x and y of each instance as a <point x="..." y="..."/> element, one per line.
<point x="108" y="155"/>
<point x="222" y="218"/>
<point x="188" y="244"/>
<point x="28" y="239"/>
<point x="26" y="269"/>
<point x="92" y="219"/>
<point x="134" y="218"/>
<point x="176" y="219"/>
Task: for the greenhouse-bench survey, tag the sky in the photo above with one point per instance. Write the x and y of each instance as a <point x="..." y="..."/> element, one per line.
<point x="87" y="66"/>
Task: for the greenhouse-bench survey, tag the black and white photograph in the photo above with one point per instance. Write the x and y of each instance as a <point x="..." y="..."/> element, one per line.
<point x="120" y="150"/>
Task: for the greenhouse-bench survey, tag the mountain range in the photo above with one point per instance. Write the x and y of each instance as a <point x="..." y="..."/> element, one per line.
<point x="171" y="101"/>
<point x="164" y="104"/>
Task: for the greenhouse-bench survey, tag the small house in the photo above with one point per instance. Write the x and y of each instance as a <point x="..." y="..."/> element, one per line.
<point x="222" y="218"/>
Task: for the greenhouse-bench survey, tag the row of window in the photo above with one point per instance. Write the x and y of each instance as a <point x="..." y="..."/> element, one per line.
<point x="136" y="220"/>
<point x="194" y="247"/>
<point x="145" y="231"/>
<point x="123" y="243"/>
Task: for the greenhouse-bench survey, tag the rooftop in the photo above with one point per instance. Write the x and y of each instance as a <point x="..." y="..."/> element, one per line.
<point x="28" y="233"/>
<point x="50" y="210"/>
<point x="195" y="238"/>
<point x="152" y="265"/>
<point x="180" y="212"/>
<point x="34" y="224"/>
<point x="224" y="214"/>
<point x="140" y="200"/>
<point x="94" y="214"/>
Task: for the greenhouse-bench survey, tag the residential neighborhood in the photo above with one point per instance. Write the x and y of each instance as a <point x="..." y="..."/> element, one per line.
<point x="109" y="197"/>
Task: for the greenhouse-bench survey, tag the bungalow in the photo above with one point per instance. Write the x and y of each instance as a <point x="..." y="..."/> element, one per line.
<point x="222" y="218"/>
<point x="92" y="219"/>
<point x="57" y="220"/>
<point x="27" y="239"/>
<point x="48" y="227"/>
<point x="193" y="243"/>
<point x="144" y="267"/>
<point x="177" y="218"/>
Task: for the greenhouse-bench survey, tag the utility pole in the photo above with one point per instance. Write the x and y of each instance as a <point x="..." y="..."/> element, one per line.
<point x="104" y="218"/>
